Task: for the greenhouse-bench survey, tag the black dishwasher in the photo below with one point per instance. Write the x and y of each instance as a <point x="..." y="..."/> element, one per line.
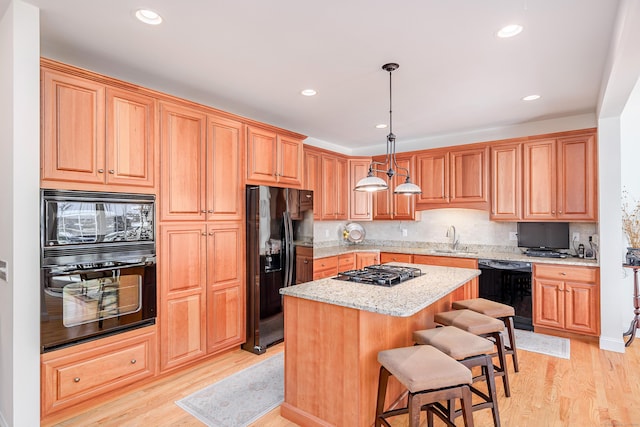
<point x="508" y="282"/>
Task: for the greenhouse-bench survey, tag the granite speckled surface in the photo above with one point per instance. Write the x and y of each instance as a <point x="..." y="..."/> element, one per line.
<point x="479" y="253"/>
<point x="402" y="300"/>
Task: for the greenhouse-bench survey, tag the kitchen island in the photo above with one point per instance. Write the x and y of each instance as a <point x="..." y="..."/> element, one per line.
<point x="334" y="330"/>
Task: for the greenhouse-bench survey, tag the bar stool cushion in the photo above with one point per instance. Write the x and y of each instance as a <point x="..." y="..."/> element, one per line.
<point x="486" y="307"/>
<point x="423" y="367"/>
<point x="454" y="342"/>
<point x="470" y="321"/>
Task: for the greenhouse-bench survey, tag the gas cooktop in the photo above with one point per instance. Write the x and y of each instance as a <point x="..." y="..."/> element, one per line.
<point x="382" y="275"/>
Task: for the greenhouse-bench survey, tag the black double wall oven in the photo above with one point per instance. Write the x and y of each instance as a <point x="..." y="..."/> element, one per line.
<point x="98" y="265"/>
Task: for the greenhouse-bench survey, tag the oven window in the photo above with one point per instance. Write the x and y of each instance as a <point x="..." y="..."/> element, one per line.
<point x="86" y="300"/>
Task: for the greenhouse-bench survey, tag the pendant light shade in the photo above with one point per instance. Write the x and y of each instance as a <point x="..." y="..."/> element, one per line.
<point x="390" y="166"/>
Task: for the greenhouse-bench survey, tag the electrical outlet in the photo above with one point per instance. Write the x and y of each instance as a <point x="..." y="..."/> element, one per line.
<point x="513" y="235"/>
<point x="595" y="239"/>
<point x="404" y="232"/>
<point x="326" y="233"/>
<point x="576" y="237"/>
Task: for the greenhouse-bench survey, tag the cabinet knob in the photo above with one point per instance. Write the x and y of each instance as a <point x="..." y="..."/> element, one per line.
<point x="563" y="274"/>
<point x="203" y="211"/>
<point x="306" y="261"/>
<point x="100" y="170"/>
<point x="76" y="380"/>
<point x="211" y="233"/>
<point x="210" y="211"/>
<point x="133" y="361"/>
<point x="553" y="212"/>
<point x="204" y="233"/>
<point x="111" y="171"/>
<point x="559" y="212"/>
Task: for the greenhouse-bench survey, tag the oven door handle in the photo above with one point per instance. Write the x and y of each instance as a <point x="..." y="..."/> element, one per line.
<point x="95" y="270"/>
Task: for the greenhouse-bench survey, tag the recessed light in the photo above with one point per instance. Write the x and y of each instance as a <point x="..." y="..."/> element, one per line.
<point x="381" y="126"/>
<point x="148" y="16"/>
<point x="308" y="92"/>
<point x="510" y="31"/>
<point x="531" y="97"/>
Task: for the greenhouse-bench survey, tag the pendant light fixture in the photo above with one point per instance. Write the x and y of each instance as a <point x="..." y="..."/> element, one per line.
<point x="390" y="166"/>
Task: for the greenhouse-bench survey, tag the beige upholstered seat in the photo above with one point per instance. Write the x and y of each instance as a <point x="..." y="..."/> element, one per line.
<point x="486" y="326"/>
<point x="472" y="351"/>
<point x="500" y="311"/>
<point x="429" y="375"/>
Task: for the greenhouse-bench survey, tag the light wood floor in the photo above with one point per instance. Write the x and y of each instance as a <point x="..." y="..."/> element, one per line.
<point x="594" y="388"/>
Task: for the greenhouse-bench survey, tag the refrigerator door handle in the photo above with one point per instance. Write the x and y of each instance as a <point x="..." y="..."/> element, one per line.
<point x="288" y="232"/>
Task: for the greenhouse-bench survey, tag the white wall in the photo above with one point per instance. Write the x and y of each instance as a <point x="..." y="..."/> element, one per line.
<point x="19" y="215"/>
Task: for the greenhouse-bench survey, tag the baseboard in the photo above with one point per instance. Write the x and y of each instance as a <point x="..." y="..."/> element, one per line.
<point x="612" y="344"/>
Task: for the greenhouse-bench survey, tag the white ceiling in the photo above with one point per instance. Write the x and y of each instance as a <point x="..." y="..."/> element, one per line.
<point x="252" y="58"/>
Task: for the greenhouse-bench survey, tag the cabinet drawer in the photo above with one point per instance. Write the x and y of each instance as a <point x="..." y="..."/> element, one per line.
<point x="562" y="272"/>
<point x="393" y="257"/>
<point x="85" y="371"/>
<point x="325" y="267"/>
<point x="346" y="262"/>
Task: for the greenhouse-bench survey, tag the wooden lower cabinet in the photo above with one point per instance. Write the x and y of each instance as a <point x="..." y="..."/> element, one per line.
<point x="304" y="264"/>
<point x="325" y="267"/>
<point x="470" y="289"/>
<point x="346" y="262"/>
<point x="85" y="371"/>
<point x="386" y="257"/>
<point x="566" y="298"/>
<point x="365" y="259"/>
<point x="201" y="290"/>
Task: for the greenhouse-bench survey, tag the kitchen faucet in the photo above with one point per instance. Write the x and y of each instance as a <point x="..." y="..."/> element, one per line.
<point x="451" y="232"/>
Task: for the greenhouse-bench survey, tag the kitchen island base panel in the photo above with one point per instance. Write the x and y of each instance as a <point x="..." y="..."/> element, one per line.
<point x="331" y="367"/>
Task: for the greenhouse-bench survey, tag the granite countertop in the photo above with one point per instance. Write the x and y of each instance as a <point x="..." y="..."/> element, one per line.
<point x="402" y="300"/>
<point x="479" y="254"/>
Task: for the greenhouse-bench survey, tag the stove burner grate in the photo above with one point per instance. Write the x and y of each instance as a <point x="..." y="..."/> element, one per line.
<point x="382" y="275"/>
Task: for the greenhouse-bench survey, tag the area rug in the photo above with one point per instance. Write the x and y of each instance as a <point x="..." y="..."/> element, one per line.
<point x="544" y="344"/>
<point x="240" y="399"/>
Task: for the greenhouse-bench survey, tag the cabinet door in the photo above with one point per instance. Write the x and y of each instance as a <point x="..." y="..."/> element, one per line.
<point x="131" y="138"/>
<point x="469" y="175"/>
<point x="346" y="262"/>
<point x="304" y="264"/>
<point x="506" y="187"/>
<point x="359" y="201"/>
<point x="289" y="163"/>
<point x="182" y="294"/>
<point x="432" y="175"/>
<point x="577" y="178"/>
<point x="313" y="179"/>
<point x="73" y="133"/>
<point x="225" y="150"/>
<point x="183" y="159"/>
<point x="548" y="303"/>
<point x="325" y="267"/>
<point x="342" y="188"/>
<point x="403" y="205"/>
<point x="539" y="180"/>
<point x="582" y="308"/>
<point x="262" y="160"/>
<point x="365" y="259"/>
<point x="225" y="286"/>
<point x="329" y="187"/>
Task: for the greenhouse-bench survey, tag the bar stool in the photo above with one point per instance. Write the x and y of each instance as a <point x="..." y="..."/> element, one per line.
<point x="484" y="326"/>
<point x="497" y="310"/>
<point x="429" y="375"/>
<point x="470" y="350"/>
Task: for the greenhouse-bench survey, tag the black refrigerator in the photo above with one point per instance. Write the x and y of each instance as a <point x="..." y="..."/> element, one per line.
<point x="278" y="220"/>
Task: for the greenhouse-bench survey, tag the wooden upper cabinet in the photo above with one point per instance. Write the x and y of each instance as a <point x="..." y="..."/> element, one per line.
<point x="94" y="135"/>
<point x="433" y="177"/>
<point x="539" y="180"/>
<point x="131" y="141"/>
<point x="225" y="161"/>
<point x="313" y="178"/>
<point x="73" y="146"/>
<point x="453" y="178"/>
<point x="560" y="179"/>
<point x="469" y="180"/>
<point x="386" y="204"/>
<point x="360" y="207"/>
<point x="577" y="178"/>
<point x="334" y="187"/>
<point x="273" y="159"/>
<point x="506" y="187"/>
<point x="183" y="160"/>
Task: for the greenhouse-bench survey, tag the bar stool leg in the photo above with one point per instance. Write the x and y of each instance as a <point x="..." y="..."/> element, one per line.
<point x="383" y="379"/>
<point x="508" y="321"/>
<point x="502" y="359"/>
<point x="414" y="410"/>
<point x="467" y="412"/>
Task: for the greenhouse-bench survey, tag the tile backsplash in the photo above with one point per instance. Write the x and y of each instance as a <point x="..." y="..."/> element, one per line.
<point x="473" y="228"/>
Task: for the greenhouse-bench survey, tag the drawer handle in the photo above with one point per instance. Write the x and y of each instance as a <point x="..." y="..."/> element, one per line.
<point x="563" y="274"/>
<point x="76" y="380"/>
<point x="133" y="361"/>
